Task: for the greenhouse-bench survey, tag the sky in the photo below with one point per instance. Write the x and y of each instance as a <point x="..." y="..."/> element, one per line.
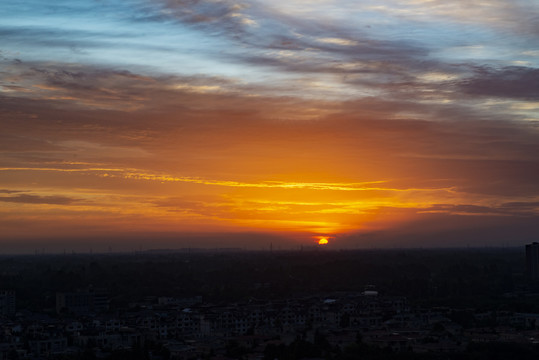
<point x="221" y="123"/>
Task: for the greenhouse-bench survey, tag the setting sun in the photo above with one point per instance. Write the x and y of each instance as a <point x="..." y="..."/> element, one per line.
<point x="323" y="241"/>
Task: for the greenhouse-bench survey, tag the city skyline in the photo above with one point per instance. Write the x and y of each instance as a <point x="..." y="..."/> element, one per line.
<point x="221" y="123"/>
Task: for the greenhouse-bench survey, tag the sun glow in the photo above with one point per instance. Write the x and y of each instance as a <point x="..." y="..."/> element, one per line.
<point x="323" y="241"/>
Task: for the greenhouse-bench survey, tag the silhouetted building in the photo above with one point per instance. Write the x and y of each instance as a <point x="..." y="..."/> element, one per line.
<point x="7" y="302"/>
<point x="532" y="261"/>
<point x="47" y="347"/>
<point x="82" y="301"/>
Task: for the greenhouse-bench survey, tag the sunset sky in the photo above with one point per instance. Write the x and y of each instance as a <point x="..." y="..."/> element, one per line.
<point x="213" y="123"/>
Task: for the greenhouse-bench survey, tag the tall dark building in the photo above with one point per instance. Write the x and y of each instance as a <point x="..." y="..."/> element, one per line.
<point x="532" y="261"/>
<point x="7" y="302"/>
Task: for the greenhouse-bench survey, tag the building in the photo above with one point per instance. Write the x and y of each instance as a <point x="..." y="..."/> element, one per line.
<point x="7" y="302"/>
<point x="82" y="301"/>
<point x="532" y="261"/>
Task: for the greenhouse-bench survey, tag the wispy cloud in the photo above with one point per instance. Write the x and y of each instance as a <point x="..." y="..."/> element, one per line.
<point x="36" y="199"/>
<point x="141" y="175"/>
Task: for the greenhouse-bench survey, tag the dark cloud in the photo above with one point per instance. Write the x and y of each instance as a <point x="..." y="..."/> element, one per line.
<point x="23" y="143"/>
<point x="318" y="47"/>
<point x="218" y="17"/>
<point x="527" y="209"/>
<point x="508" y="82"/>
<point x="5" y="191"/>
<point x="35" y="199"/>
<point x="101" y="87"/>
<point x="351" y="67"/>
<point x="445" y="230"/>
<point x="521" y="205"/>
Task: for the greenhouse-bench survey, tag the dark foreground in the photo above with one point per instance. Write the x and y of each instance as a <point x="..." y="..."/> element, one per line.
<point x="392" y="304"/>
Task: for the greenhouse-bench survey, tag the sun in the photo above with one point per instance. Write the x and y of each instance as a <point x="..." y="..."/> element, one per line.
<point x="323" y="241"/>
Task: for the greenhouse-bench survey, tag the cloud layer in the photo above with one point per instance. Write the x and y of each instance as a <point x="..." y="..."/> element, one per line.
<point x="223" y="117"/>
